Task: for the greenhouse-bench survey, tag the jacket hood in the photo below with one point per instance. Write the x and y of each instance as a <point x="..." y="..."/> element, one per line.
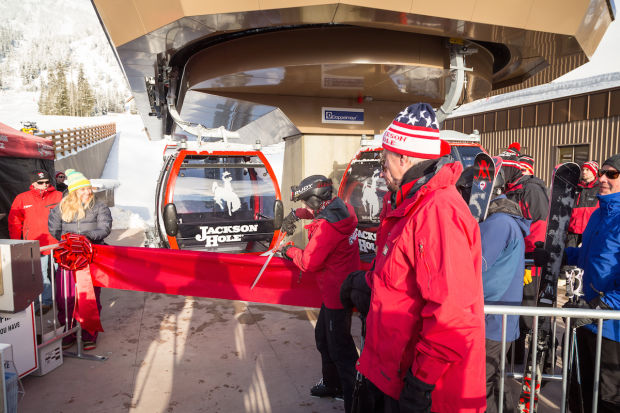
<point x="529" y="179"/>
<point x="506" y="206"/>
<point x="340" y="215"/>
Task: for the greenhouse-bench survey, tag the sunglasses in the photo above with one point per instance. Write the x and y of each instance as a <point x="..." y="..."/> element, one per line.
<point x="609" y="173"/>
<point x="43" y="182"/>
<point x="382" y="161"/>
<point x="61" y="177"/>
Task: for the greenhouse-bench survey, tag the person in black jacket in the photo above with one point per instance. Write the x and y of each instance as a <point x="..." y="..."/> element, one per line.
<point x="530" y="193"/>
<point x="78" y="213"/>
<point x="60" y="182"/>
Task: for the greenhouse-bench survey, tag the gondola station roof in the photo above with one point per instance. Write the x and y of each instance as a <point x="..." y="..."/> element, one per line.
<point x="229" y="63"/>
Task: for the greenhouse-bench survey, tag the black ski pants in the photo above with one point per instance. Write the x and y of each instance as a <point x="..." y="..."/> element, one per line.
<point x="338" y="352"/>
<point x="493" y="357"/>
<point x="609" y="384"/>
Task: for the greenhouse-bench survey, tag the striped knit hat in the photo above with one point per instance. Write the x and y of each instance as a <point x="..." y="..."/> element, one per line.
<point x="414" y="132"/>
<point x="592" y="166"/>
<point x="76" y="180"/>
<point x="527" y="164"/>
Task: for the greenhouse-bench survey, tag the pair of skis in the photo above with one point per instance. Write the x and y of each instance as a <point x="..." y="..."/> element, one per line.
<point x="561" y="201"/>
<point x="485" y="172"/>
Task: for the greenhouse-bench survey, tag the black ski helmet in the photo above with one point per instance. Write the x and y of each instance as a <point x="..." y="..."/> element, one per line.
<point x="312" y="190"/>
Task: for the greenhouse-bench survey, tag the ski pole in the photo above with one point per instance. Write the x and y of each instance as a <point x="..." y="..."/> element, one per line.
<point x="269" y="257"/>
<point x="576" y="349"/>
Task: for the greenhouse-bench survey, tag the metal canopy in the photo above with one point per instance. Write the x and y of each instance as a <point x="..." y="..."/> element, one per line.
<point x="258" y="56"/>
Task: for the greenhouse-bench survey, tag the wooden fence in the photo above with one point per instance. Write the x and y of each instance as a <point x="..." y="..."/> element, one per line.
<point x="66" y="141"/>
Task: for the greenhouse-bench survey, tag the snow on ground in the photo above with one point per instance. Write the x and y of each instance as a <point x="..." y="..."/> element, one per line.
<point x="21" y="106"/>
<point x="135" y="162"/>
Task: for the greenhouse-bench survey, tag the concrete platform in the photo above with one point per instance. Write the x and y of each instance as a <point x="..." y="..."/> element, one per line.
<point x="184" y="354"/>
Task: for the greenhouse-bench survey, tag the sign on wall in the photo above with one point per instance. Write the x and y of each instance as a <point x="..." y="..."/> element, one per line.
<point x="343" y="115"/>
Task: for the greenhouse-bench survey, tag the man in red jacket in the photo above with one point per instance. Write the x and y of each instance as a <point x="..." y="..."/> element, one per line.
<point x="425" y="344"/>
<point x="331" y="254"/>
<point x="28" y="220"/>
<point x="585" y="205"/>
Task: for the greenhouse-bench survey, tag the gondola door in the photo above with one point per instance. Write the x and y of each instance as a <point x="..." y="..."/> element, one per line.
<point x="363" y="187"/>
<point x="221" y="202"/>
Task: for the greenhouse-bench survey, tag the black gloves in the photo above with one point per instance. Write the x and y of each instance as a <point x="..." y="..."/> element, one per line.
<point x="540" y="255"/>
<point x="345" y="291"/>
<point x="354" y="292"/>
<point x="286" y="248"/>
<point x="415" y="396"/>
<point x="596" y="304"/>
<point x="288" y="224"/>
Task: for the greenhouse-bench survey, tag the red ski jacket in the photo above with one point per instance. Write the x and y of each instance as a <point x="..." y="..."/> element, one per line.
<point x="426" y="312"/>
<point x="531" y="195"/>
<point x="29" y="213"/>
<point x="585" y="205"/>
<point x="332" y="252"/>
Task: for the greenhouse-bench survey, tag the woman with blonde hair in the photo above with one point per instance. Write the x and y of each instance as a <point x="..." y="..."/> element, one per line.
<point x="78" y="213"/>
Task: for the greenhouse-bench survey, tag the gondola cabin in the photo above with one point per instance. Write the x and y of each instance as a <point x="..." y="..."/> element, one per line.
<point x="218" y="201"/>
<point x="363" y="187"/>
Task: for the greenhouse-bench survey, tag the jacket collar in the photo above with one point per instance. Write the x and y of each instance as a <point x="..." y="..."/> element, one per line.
<point x="610" y="203"/>
<point x="590" y="184"/>
<point x="437" y="174"/>
<point x="41" y="193"/>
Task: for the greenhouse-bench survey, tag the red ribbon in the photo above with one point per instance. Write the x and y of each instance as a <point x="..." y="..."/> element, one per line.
<point x="75" y="254"/>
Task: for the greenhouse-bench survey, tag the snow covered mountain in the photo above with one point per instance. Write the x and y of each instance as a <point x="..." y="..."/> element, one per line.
<point x="37" y="34"/>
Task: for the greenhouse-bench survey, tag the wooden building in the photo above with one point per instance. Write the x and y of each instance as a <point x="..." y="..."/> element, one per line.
<point x="558" y="122"/>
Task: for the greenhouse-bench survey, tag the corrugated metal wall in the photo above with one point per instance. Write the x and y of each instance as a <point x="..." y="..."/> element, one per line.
<point x="562" y="55"/>
<point x="542" y="142"/>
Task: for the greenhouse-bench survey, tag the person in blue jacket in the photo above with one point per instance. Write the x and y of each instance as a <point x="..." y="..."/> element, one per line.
<point x="599" y="256"/>
<point x="503" y="250"/>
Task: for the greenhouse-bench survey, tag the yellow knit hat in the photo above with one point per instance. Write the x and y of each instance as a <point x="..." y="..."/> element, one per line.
<point x="76" y="180"/>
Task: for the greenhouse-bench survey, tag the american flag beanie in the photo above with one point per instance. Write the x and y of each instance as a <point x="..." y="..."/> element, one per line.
<point x="415" y="132"/>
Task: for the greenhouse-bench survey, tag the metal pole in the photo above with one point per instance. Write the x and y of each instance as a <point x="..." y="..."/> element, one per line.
<point x="534" y="351"/>
<point x="53" y="281"/>
<point x="597" y="364"/>
<point x="565" y="364"/>
<point x="502" y="365"/>
<point x="555" y="330"/>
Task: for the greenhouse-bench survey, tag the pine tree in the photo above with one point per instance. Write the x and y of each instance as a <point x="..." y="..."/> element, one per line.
<point x="61" y="104"/>
<point x="86" y="99"/>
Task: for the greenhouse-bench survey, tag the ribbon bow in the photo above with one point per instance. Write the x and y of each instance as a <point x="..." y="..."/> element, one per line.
<point x="75" y="254"/>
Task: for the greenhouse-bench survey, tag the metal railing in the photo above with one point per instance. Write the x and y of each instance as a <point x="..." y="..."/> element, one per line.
<point x="67" y="140"/>
<point x="67" y="330"/>
<point x="567" y="314"/>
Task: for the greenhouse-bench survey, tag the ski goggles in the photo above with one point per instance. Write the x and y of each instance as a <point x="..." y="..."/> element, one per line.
<point x="608" y="173"/>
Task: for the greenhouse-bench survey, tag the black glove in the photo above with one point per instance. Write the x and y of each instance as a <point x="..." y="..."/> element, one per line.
<point x="361" y="301"/>
<point x="345" y="291"/>
<point x="540" y="255"/>
<point x="596" y="304"/>
<point x="415" y="396"/>
<point x="284" y="249"/>
<point x="288" y="224"/>
<point x="360" y="294"/>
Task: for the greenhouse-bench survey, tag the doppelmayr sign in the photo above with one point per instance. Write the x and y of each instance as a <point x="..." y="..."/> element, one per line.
<point x="343" y="115"/>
